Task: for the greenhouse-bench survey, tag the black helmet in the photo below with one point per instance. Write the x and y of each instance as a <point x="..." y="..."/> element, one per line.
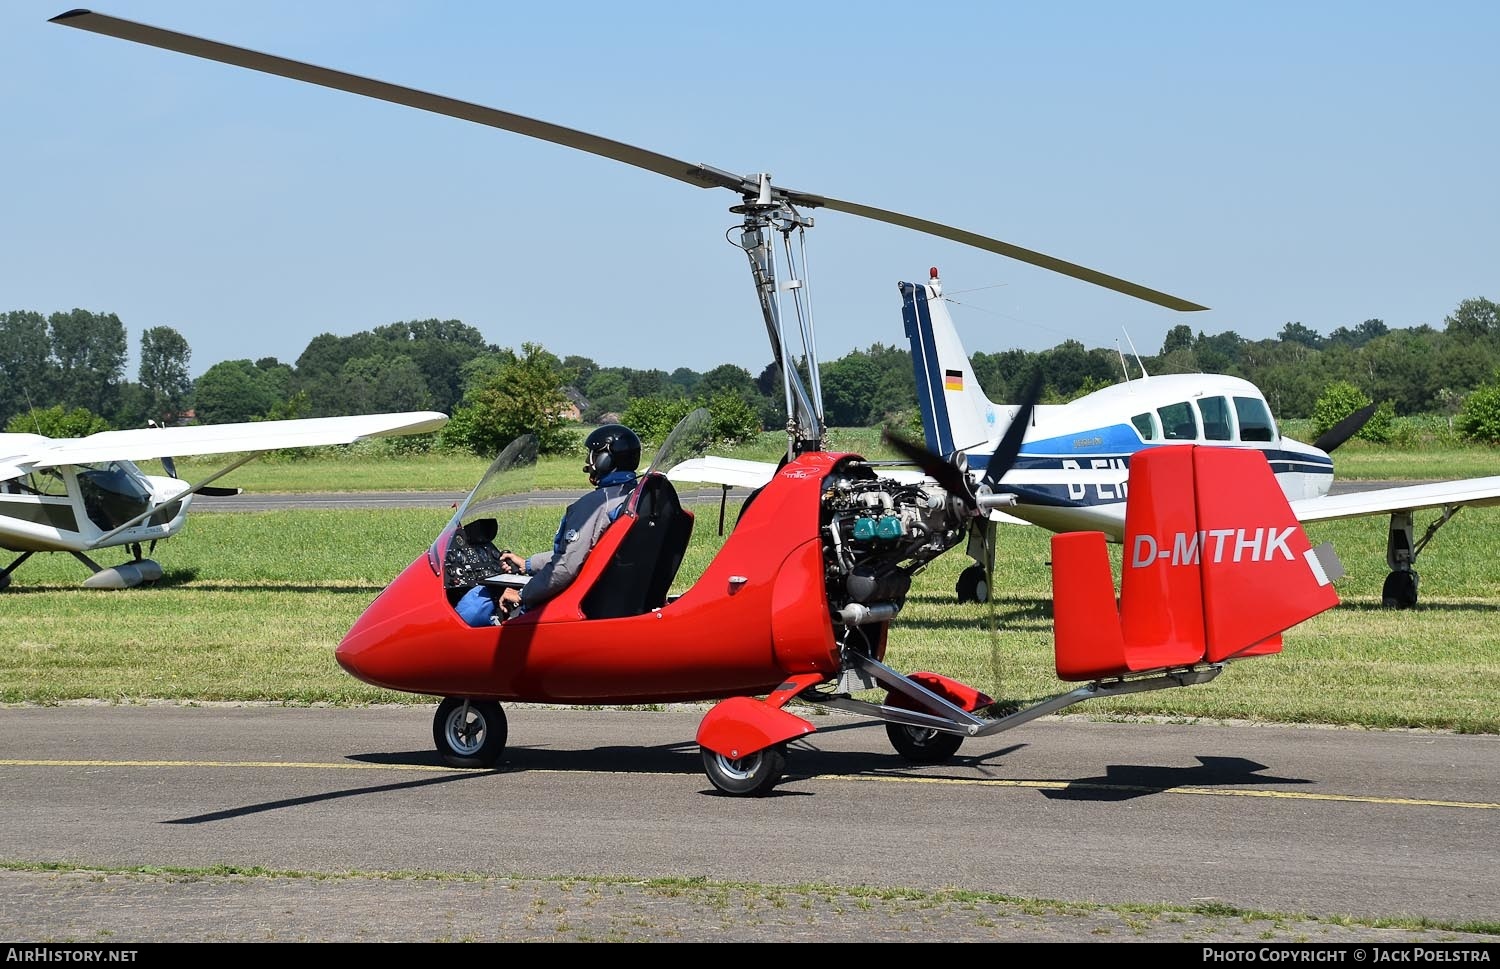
<point x="613" y="447"/>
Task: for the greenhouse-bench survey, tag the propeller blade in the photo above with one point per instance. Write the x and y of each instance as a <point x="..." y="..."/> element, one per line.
<point x="1010" y="444"/>
<point x="1345" y="429"/>
<point x="99" y="23"/>
<point x="169" y="466"/>
<point x="703" y="176"/>
<point x="947" y="474"/>
<point x="1017" y="253"/>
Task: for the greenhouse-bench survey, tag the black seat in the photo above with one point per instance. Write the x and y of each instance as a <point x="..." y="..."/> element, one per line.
<point x="641" y="571"/>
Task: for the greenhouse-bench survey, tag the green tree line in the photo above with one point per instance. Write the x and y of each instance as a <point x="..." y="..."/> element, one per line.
<point x="65" y="373"/>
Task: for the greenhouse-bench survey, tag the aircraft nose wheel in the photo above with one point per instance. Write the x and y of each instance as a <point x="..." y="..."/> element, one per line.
<point x="469" y="733"/>
<point x="973" y="585"/>
<point x="750" y="776"/>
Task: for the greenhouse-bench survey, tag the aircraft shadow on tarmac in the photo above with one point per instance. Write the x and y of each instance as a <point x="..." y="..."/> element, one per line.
<point x="291" y="802"/>
<point x="1120" y="782"/>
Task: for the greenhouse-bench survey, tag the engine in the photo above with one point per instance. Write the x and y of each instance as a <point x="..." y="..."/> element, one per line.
<point x="878" y="533"/>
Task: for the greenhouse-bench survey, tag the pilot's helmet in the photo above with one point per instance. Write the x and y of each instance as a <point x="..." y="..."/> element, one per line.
<point x="612" y="447"/>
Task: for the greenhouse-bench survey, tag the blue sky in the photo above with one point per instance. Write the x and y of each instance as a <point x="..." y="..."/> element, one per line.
<point x="1325" y="163"/>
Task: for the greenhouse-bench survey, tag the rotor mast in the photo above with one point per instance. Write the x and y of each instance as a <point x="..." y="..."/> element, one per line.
<point x="765" y="214"/>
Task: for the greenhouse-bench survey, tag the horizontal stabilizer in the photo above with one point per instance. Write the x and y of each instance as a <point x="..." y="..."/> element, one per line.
<point x="1215" y="567"/>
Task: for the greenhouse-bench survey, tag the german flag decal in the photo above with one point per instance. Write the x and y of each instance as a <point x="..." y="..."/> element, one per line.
<point x="953" y="380"/>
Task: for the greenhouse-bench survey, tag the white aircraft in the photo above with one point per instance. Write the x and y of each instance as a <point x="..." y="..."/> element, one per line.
<point x="1071" y="474"/>
<point x="78" y="495"/>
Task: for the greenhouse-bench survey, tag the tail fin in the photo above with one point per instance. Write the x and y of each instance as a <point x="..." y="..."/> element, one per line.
<point x="1215" y="567"/>
<point x="956" y="415"/>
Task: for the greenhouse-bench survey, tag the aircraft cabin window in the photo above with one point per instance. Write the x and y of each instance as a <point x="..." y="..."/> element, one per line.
<point x="1215" y="412"/>
<point x="44" y="482"/>
<point x="1178" y="422"/>
<point x="1255" y="419"/>
<point x="1145" y="426"/>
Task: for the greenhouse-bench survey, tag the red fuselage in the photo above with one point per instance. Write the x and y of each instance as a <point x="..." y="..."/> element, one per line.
<point x="758" y="614"/>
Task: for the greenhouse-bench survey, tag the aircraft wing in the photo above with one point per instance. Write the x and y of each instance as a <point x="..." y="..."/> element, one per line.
<point x="730" y="472"/>
<point x="17" y="451"/>
<point x="143" y="443"/>
<point x="738" y="473"/>
<point x="1437" y="494"/>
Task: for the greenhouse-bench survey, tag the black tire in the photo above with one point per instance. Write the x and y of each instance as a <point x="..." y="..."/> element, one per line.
<point x="472" y="739"/>
<point x="973" y="585"/>
<point x="751" y="776"/>
<point x="1399" y="591"/>
<point x="923" y="745"/>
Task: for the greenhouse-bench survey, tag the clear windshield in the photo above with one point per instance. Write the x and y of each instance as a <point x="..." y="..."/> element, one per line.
<point x="689" y="439"/>
<point x="113" y="493"/>
<point x="504" y="485"/>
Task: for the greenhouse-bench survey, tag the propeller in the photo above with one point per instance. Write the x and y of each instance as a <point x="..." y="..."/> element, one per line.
<point x="1345" y="429"/>
<point x="756" y="190"/>
<point x="952" y="475"/>
<point x="170" y="467"/>
<point x="976" y="583"/>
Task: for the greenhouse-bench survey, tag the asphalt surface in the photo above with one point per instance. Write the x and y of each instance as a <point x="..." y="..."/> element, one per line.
<point x="269" y="823"/>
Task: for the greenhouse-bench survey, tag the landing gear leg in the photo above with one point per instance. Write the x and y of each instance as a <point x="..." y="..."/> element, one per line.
<point x="974" y="581"/>
<point x="1400" y="589"/>
<point x="5" y="573"/>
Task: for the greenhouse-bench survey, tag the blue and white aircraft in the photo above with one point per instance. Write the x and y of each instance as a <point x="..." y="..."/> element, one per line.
<point x="1072" y="470"/>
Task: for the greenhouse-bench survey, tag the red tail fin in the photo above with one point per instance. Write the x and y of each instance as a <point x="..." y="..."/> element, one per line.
<point x="1215" y="567"/>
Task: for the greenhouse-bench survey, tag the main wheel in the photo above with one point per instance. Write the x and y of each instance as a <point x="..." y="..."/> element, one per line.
<point x="973" y="585"/>
<point x="1399" y="591"/>
<point x="922" y="745"/>
<point x="469" y="733"/>
<point x="750" y="776"/>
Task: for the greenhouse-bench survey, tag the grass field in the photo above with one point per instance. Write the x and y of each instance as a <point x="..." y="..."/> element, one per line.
<point x="252" y="606"/>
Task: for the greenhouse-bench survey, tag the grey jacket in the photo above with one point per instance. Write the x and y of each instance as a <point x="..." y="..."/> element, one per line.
<point x="582" y="524"/>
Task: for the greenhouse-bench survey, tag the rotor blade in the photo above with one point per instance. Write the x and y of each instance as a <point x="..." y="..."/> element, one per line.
<point x="1003" y="248"/>
<point x="947" y="474"/>
<point x="1345" y="429"/>
<point x="1010" y="445"/>
<point x="703" y="176"/>
<point x="700" y="175"/>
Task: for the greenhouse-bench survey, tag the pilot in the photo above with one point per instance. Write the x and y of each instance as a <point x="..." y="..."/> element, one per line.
<point x="613" y="454"/>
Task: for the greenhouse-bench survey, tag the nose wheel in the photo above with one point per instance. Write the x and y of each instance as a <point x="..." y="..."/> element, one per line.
<point x="973" y="585"/>
<point x="469" y="733"/>
<point x="753" y="775"/>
